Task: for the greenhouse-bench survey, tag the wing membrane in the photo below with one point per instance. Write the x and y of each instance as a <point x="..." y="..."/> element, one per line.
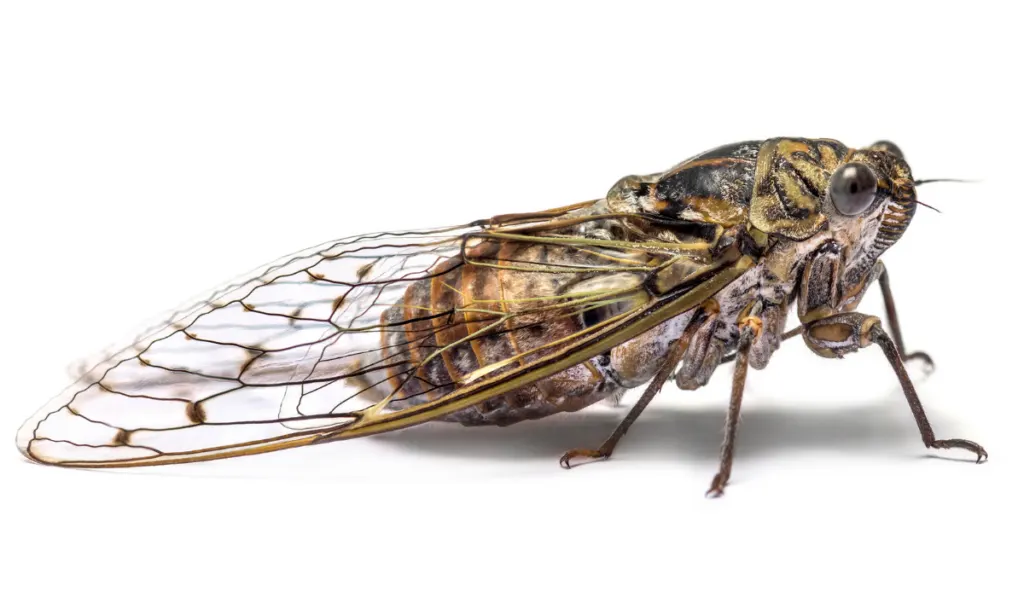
<point x="303" y="350"/>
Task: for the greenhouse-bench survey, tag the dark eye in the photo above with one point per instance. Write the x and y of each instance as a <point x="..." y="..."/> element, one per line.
<point x="888" y="146"/>
<point x="853" y="188"/>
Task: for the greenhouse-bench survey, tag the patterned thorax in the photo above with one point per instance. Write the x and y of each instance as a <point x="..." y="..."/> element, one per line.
<point x="711" y="191"/>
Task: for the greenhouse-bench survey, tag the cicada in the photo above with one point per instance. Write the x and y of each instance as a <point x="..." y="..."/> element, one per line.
<point x="515" y="317"/>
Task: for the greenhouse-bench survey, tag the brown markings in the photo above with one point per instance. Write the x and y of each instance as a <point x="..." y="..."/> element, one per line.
<point x="897" y="215"/>
<point x="753" y="322"/>
<point x="195" y="413"/>
<point x="793" y="146"/>
<point x="418" y="329"/>
<point x="122" y="438"/>
<point x="831" y="332"/>
<point x="538" y="215"/>
<point x="474" y="289"/>
<point x="865" y="330"/>
<point x="508" y="251"/>
<point x="712" y="162"/>
<point x="522" y="396"/>
<point x="337" y="303"/>
<point x="451" y="330"/>
<point x="711" y="307"/>
<point x="481" y="287"/>
<point x="829" y="159"/>
<point x="364" y="270"/>
<point x="794" y="191"/>
<point x="314" y="276"/>
<point x="716" y="210"/>
<point x="473" y="298"/>
<point x="595" y="375"/>
<point x="478" y="287"/>
<point x="527" y="336"/>
<point x="787" y="181"/>
<point x="389" y="335"/>
<point x="683" y="271"/>
<point x="854" y="291"/>
<point x="694" y="344"/>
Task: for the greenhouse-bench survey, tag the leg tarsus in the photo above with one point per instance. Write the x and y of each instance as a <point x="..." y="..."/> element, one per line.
<point x="922" y="357"/>
<point x="879" y="337"/>
<point x="591" y="455"/>
<point x="717" y="488"/>
<point x="963" y="444"/>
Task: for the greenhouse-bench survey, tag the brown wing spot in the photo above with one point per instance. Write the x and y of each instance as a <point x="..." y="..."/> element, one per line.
<point x="195" y="413"/>
<point x="314" y="276"/>
<point x="338" y="302"/>
<point x="248" y="307"/>
<point x="364" y="270"/>
<point x="122" y="438"/>
<point x="254" y="353"/>
<point x="293" y="315"/>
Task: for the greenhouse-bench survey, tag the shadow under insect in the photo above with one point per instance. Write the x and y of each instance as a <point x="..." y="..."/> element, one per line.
<point x="693" y="433"/>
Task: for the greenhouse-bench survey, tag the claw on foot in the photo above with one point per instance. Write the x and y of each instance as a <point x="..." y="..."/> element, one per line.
<point x="591" y="455"/>
<point x="968" y="445"/>
<point x="921" y="357"/>
<point x="717" y="487"/>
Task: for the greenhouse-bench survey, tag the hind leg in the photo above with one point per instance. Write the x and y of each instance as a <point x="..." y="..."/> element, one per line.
<point x="690" y="346"/>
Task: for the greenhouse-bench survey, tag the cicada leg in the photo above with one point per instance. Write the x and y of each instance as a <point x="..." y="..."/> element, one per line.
<point x="606" y="449"/>
<point x="750" y="327"/>
<point x="840" y="334"/>
<point x="700" y="326"/>
<point x="894" y="322"/>
<point x="882" y="275"/>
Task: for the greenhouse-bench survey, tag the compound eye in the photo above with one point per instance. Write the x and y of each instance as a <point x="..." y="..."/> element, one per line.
<point x="888" y="146"/>
<point x="853" y="188"/>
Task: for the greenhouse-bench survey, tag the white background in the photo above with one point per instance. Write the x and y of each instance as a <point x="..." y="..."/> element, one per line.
<point x="148" y="152"/>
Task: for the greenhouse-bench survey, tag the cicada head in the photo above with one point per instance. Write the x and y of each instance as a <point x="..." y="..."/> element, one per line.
<point x="870" y="200"/>
<point x="864" y="197"/>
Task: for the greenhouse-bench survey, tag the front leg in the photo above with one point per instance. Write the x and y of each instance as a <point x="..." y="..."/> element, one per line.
<point x="837" y="335"/>
<point x="894" y="322"/>
<point x="852" y="297"/>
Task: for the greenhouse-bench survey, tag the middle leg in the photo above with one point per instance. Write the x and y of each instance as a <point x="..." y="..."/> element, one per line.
<point x="750" y="327"/>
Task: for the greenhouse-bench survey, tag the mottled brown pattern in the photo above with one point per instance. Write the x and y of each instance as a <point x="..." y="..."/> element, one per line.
<point x="444" y="310"/>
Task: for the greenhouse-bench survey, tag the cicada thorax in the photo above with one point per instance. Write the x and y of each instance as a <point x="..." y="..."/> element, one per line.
<point x="697" y="201"/>
<point x="712" y="187"/>
<point x="483" y="311"/>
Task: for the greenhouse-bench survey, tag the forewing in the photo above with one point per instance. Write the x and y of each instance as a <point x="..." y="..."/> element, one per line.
<point x="291" y="354"/>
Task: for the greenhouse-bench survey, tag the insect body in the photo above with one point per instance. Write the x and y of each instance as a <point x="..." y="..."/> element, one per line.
<point x="515" y="317"/>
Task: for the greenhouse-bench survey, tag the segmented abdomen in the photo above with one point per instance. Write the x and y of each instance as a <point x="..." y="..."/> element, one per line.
<point x="460" y="308"/>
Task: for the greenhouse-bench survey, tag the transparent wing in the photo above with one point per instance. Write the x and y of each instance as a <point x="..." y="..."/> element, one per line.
<point x="346" y="339"/>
